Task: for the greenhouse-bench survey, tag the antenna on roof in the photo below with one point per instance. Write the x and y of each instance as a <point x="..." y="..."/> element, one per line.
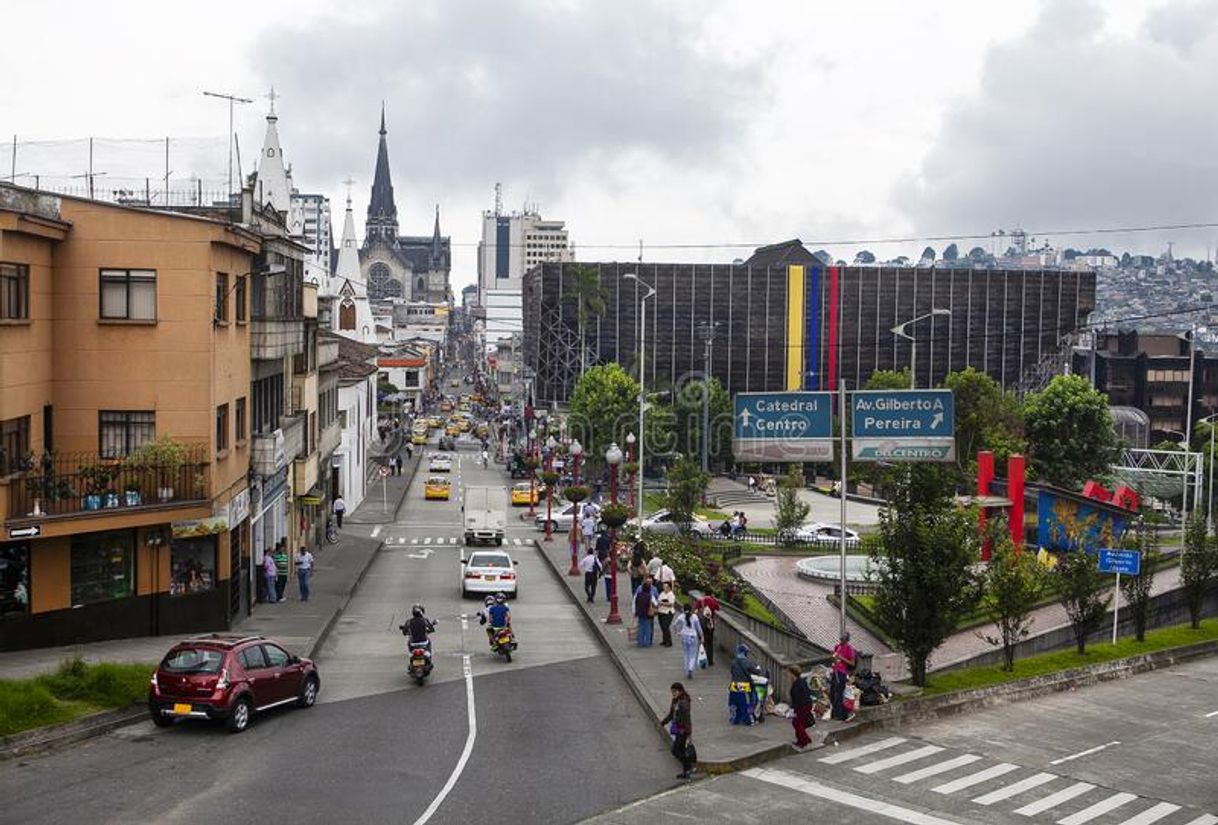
<point x="498" y="199"/>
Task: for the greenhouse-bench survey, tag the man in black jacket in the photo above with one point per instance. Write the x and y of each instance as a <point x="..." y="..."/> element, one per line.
<point x="801" y="701"/>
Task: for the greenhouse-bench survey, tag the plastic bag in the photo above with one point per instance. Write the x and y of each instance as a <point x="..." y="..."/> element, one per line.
<point x="702" y="657"/>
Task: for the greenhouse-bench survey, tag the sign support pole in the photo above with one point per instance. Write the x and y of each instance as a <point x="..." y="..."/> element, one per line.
<point x="1116" y="606"/>
<point x="384" y="496"/>
<point x="841" y="401"/>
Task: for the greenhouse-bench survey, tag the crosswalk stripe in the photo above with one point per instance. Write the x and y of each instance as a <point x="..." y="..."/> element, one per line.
<point x="1007" y="791"/>
<point x="976" y="778"/>
<point x="1152" y="814"/>
<point x="414" y="541"/>
<point x="854" y="753"/>
<point x="899" y="759"/>
<point x="1205" y="819"/>
<point x="517" y="542"/>
<point x="808" y="786"/>
<point x="452" y="540"/>
<point x="427" y="540"/>
<point x="1055" y="799"/>
<point x="1098" y="809"/>
<point x="935" y="770"/>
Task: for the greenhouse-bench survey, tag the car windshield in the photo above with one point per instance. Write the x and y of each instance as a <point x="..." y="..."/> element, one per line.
<point x="193" y="660"/>
<point x="522" y="488"/>
<point x="489" y="560"/>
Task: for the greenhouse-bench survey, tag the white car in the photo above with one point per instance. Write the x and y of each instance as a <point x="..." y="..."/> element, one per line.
<point x="488" y="571"/>
<point x="817" y="533"/>
<point x="440" y="464"/>
<point x="661" y="522"/>
<point x="561" y="518"/>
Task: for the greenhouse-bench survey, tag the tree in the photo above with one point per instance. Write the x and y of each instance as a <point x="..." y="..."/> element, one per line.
<point x="1070" y="433"/>
<point x="1197" y="567"/>
<point x="1014" y="583"/>
<point x="888" y="380"/>
<point x="1137" y="589"/>
<point x="864" y="257"/>
<point x="686" y="485"/>
<point x="951" y="253"/>
<point x="790" y="510"/>
<point x="604" y="406"/>
<point x="823" y="256"/>
<point x="588" y="295"/>
<point x="978" y="255"/>
<point x="687" y="409"/>
<point x="986" y="417"/>
<point x="1081" y="589"/>
<point x="928" y="254"/>
<point x="924" y="560"/>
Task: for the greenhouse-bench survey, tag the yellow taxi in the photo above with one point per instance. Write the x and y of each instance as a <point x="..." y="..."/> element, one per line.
<point x="434" y="422"/>
<point x="482" y="431"/>
<point x="446" y="406"/>
<point x="452" y="429"/>
<point x="418" y="437"/>
<point x="523" y="494"/>
<point x="437" y="488"/>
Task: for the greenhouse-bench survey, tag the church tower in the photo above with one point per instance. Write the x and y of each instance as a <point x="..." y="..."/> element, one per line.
<point x="382" y="220"/>
<point x="353" y="315"/>
<point x="273" y="186"/>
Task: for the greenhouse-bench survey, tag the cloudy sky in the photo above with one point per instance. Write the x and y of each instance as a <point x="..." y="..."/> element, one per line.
<point x="681" y="123"/>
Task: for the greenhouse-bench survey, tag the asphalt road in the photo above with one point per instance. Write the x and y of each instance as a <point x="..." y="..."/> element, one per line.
<point x="559" y="737"/>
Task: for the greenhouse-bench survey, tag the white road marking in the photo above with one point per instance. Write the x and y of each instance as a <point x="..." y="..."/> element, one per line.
<point x="854" y="753"/>
<point x="976" y="778"/>
<point x="517" y="542"/>
<point x="1098" y="809"/>
<point x="1087" y="752"/>
<point x="427" y="540"/>
<point x="1205" y="819"/>
<point x="452" y="541"/>
<point x="1211" y="714"/>
<point x="873" y="806"/>
<point x="935" y="770"/>
<point x="899" y="759"/>
<point x="465" y="753"/>
<point x="376" y="531"/>
<point x="1153" y="814"/>
<point x="1007" y="791"/>
<point x="414" y="541"/>
<point x="1055" y="799"/>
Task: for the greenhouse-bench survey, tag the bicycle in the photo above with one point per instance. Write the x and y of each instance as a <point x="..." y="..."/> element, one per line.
<point x="331" y="532"/>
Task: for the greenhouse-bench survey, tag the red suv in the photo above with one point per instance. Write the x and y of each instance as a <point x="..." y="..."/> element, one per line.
<point x="227" y="676"/>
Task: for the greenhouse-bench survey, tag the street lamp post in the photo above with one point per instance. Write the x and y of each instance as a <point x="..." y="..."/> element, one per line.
<point x="551" y="446"/>
<point x="532" y="471"/>
<point x="613" y="457"/>
<point x="642" y="375"/>
<point x="576" y="450"/>
<point x="899" y="330"/>
<point x="630" y="460"/>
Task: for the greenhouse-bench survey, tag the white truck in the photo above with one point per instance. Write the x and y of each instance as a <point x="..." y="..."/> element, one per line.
<point x="483" y="512"/>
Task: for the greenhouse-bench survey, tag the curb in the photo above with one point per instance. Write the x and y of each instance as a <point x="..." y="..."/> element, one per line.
<point x="329" y="626"/>
<point x="389" y="519"/>
<point x="97" y="724"/>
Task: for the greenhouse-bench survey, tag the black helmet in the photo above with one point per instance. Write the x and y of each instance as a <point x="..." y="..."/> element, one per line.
<point x="417" y="610"/>
<point x="500" y="598"/>
<point x="488" y="601"/>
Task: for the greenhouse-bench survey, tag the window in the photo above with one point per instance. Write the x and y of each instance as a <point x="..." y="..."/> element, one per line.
<point x="275" y="655"/>
<point x="128" y="294"/>
<point x="251" y="658"/>
<point x="221" y="296"/>
<point x="239" y="311"/>
<point x="121" y="432"/>
<point x="192" y="566"/>
<point x="103" y="566"/>
<point x="14" y="444"/>
<point x="268" y="403"/>
<point x="239" y="421"/>
<point x="15" y="578"/>
<point x="193" y="660"/>
<point x="221" y="428"/>
<point x="14" y="292"/>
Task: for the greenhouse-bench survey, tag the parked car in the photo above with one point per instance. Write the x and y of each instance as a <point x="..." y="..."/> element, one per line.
<point x="818" y="533"/>
<point x="229" y="677"/>
<point x="661" y="522"/>
<point x="489" y="571"/>
<point x="561" y="518"/>
<point x="440" y="464"/>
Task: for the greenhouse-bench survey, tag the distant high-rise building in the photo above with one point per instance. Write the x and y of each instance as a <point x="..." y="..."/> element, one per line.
<point x="513" y="244"/>
<point x="317" y="232"/>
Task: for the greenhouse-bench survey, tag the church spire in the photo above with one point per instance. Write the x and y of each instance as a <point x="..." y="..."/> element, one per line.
<point x="382" y="211"/>
<point x="273" y="184"/>
<point x="435" y="238"/>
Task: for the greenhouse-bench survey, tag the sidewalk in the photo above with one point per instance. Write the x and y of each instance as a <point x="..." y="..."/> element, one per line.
<point x="301" y="626"/>
<point x="649" y="672"/>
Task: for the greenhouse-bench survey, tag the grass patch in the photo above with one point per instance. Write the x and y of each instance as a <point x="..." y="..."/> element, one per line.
<point x="753" y="607"/>
<point x="76" y="689"/>
<point x="1057" y="661"/>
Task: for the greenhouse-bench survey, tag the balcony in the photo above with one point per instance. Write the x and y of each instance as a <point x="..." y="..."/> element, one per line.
<point x="275" y="338"/>
<point x="304" y="474"/>
<point x="86" y="484"/>
<point x="272" y="451"/>
<point x="330" y="438"/>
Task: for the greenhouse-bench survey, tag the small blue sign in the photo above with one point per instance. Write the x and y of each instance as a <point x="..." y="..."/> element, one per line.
<point x="1125" y="562"/>
<point x="783" y="426"/>
<point x="916" y="414"/>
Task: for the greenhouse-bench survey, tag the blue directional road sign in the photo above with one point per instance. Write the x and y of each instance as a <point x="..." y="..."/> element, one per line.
<point x="783" y="426"/>
<point x="903" y="425"/>
<point x="1125" y="562"/>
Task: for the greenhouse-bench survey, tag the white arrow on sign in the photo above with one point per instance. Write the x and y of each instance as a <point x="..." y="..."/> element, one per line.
<point x="744" y="418"/>
<point x="936" y="421"/>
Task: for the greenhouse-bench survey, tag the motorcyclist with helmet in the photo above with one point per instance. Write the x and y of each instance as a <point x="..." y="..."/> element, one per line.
<point x="495" y="615"/>
<point x="417" y="628"/>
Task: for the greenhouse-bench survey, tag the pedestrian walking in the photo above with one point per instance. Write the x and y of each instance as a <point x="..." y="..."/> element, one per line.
<point x="304" y="571"/>
<point x="269" y="575"/>
<point x="681" y="728"/>
<point x="801" y="702"/>
<point x="740" y="688"/>
<point x="604" y="555"/>
<point x="588" y="528"/>
<point x="654" y="565"/>
<point x="340" y="507"/>
<point x="666" y="605"/>
<point x="752" y="483"/>
<point x="410" y="449"/>
<point x="844" y="657"/>
<point x="689" y="630"/>
<point x="665" y="575"/>
<point x="638" y="566"/>
<point x="645" y="611"/>
<point x="281" y="569"/>
<point x="591" y="568"/>
<point x="707" y="619"/>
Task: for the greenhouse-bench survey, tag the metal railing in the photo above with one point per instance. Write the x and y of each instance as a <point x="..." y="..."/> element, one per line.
<point x="63" y="484"/>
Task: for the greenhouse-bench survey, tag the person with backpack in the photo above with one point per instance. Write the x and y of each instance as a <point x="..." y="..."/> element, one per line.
<point x="681" y="727"/>
<point x="706" y="617"/>
<point x="645" y="611"/>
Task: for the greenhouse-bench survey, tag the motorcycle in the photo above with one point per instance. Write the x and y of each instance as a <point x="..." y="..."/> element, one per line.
<point x="420" y="663"/>
<point x="503" y="642"/>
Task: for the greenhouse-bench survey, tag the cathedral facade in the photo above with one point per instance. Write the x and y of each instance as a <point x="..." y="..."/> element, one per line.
<point x="413" y="267"/>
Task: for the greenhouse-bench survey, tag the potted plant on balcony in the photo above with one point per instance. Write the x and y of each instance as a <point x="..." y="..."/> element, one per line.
<point x="157" y="465"/>
<point x="97" y="479"/>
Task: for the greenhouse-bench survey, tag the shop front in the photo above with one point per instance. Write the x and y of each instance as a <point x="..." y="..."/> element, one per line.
<point x="268" y="520"/>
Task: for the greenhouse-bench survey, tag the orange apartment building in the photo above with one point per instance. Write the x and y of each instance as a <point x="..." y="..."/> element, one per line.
<point x="124" y="420"/>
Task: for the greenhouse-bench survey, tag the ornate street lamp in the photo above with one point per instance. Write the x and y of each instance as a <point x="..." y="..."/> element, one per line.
<point x="576" y="450"/>
<point x="532" y="472"/>
<point x="630" y="460"/>
<point x="550" y="478"/>
<point x="613" y="457"/>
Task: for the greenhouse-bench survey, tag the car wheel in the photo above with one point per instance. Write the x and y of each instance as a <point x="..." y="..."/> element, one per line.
<point x="308" y="693"/>
<point x="464" y="593"/>
<point x="159" y="719"/>
<point x="239" y="719"/>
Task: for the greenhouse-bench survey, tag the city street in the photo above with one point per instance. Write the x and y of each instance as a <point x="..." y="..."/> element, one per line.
<point x="1130" y="752"/>
<point x="377" y="748"/>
